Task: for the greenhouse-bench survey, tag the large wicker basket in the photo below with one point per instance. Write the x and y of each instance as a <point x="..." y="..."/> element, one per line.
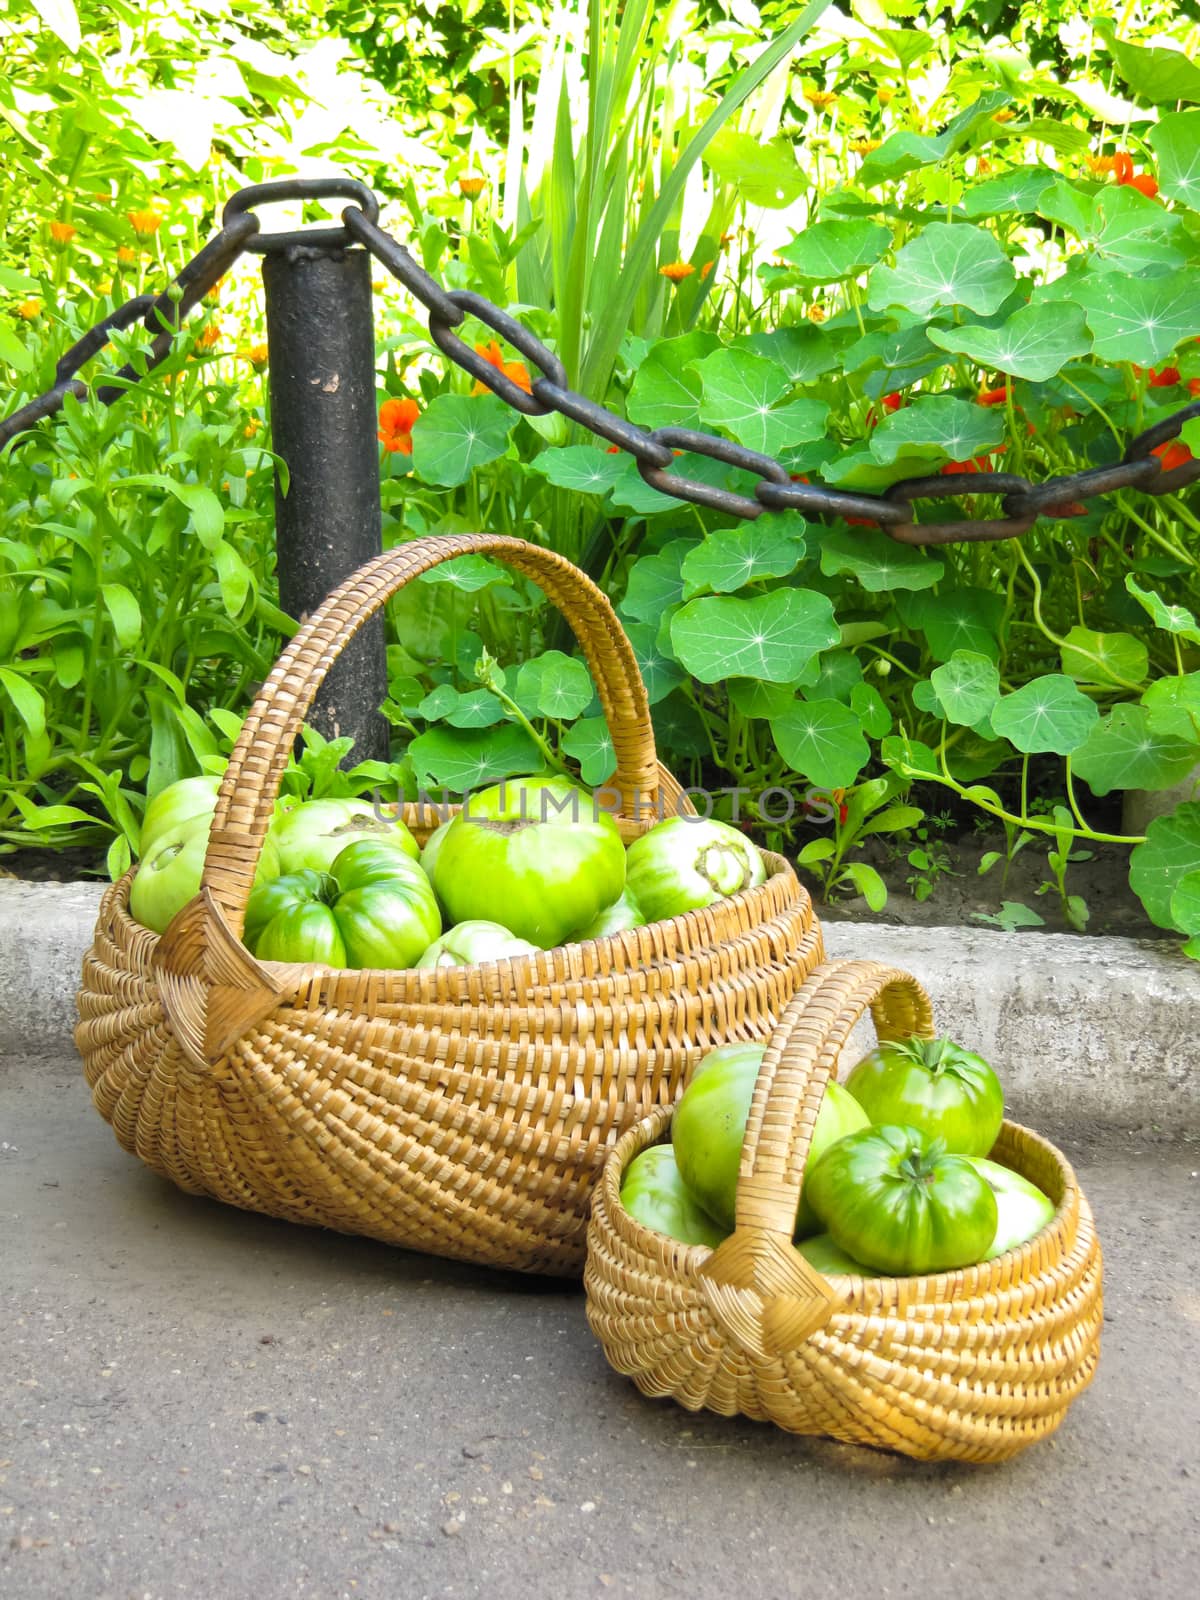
<point x="465" y="1110"/>
<point x="970" y="1365"/>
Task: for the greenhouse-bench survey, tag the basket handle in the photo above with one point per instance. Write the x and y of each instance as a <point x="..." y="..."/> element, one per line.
<point x="252" y="779"/>
<point x="800" y="1061"/>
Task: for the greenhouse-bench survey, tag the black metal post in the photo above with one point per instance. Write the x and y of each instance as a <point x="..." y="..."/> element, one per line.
<point x="321" y="339"/>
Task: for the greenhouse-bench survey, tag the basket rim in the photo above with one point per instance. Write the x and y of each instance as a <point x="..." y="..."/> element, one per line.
<point x="868" y="1296"/>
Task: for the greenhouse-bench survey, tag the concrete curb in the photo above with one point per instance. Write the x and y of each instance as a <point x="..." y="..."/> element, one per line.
<point x="1082" y="1030"/>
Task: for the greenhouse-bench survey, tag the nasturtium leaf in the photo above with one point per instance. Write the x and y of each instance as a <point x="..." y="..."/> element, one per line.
<point x="1018" y="190"/>
<point x="666" y="391"/>
<point x="1070" y="207"/>
<point x="631" y="492"/>
<point x="1131" y="232"/>
<point x="659" y="672"/>
<point x="730" y="558"/>
<point x="967" y="686"/>
<point x="656" y="582"/>
<point x="457" y="433"/>
<point x="1104" y="658"/>
<point x="903" y="151"/>
<point x="823" y="741"/>
<point x="894" y="358"/>
<point x="1036" y="342"/>
<point x="880" y="564"/>
<point x="868" y="706"/>
<point x="837" y="673"/>
<point x="958" y="619"/>
<point x="465" y="759"/>
<point x="772" y="636"/>
<point x="957" y="428"/>
<point x="1173" y="619"/>
<point x="1124" y="752"/>
<point x="1169" y="853"/>
<point x="469" y="574"/>
<point x="1174" y="706"/>
<point x="585" y="468"/>
<point x="858" y="468"/>
<point x="804" y="353"/>
<point x="1185" y="905"/>
<point x="826" y="252"/>
<point x="764" y="172"/>
<point x="1048" y="714"/>
<point x="945" y="265"/>
<point x="1157" y="73"/>
<point x="740" y="390"/>
<point x="679" y="729"/>
<point x="554" y="685"/>
<point x="1139" y="319"/>
<point x="1175" y="140"/>
<point x="478" y="708"/>
<point x="590" y="743"/>
<point x="754" y="698"/>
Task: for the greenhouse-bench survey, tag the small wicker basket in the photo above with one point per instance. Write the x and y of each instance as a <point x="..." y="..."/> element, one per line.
<point x="971" y="1365"/>
<point x="464" y="1111"/>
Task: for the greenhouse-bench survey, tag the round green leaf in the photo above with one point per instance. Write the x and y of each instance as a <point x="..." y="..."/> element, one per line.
<point x="666" y="390"/>
<point x="590" y="743"/>
<point x="879" y="563"/>
<point x="1035" y="343"/>
<point x="656" y="582"/>
<point x="827" y="252"/>
<point x="1174" y="706"/>
<point x="1185" y="903"/>
<point x="763" y="171"/>
<point x="1124" y="752"/>
<point x="457" y="433"/>
<point x="468" y="574"/>
<point x="772" y="636"/>
<point x="585" y="468"/>
<point x="958" y="619"/>
<point x="955" y="428"/>
<point x="730" y="558"/>
<point x="967" y="686"/>
<point x="804" y="353"/>
<point x="1168" y="855"/>
<point x="659" y="673"/>
<point x="945" y="265"/>
<point x="1175" y="140"/>
<point x="1138" y="318"/>
<point x="1157" y="73"/>
<point x="740" y="390"/>
<point x="1048" y="714"/>
<point x="554" y="685"/>
<point x="1173" y="619"/>
<point x="463" y="760"/>
<point x="1104" y="658"/>
<point x="478" y="709"/>
<point x="1018" y="190"/>
<point x="823" y="741"/>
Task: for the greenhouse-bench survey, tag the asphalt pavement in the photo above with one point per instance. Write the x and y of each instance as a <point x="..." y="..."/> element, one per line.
<point x="203" y="1403"/>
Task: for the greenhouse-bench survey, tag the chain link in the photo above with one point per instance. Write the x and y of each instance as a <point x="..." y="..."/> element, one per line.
<point x="655" y="451"/>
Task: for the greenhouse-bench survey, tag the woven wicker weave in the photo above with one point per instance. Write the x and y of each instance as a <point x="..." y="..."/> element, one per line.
<point x="970" y="1365"/>
<point x="464" y="1110"/>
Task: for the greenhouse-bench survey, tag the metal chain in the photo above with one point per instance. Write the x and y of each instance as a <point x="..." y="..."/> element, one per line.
<point x="655" y="450"/>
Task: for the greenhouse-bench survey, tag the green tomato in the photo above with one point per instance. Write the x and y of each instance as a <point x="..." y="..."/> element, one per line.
<point x="468" y="943"/>
<point x="177" y="804"/>
<point x="709" y="1128"/>
<point x="616" y="918"/>
<point x="821" y="1252"/>
<point x="892" y="1198"/>
<point x="653" y="1192"/>
<point x="361" y="915"/>
<point x="168" y="876"/>
<point x="685" y="863"/>
<point x="539" y="851"/>
<point x="935" y="1085"/>
<point x="1024" y="1210"/>
<point x="313" y="835"/>
<point x="433" y="845"/>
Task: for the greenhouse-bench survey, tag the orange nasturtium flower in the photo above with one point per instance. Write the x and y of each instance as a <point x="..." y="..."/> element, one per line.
<point x="29" y="309"/>
<point x="863" y="147"/>
<point x="396" y="421"/>
<point x="145" y="223"/>
<point x="1122" y="167"/>
<point x="63" y="232"/>
<point x="516" y="371"/>
<point x="677" y="271"/>
<point x="208" y="336"/>
<point x="1145" y="184"/>
<point x="472" y="186"/>
<point x="817" y="313"/>
<point x="992" y="397"/>
<point x="256" y="355"/>
<point x="1163" y="377"/>
<point x="1100" y="166"/>
<point x="1172" y="455"/>
<point x="251" y="428"/>
<point x="1194" y="387"/>
<point x="126" y="255"/>
<point x="1005" y="114"/>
